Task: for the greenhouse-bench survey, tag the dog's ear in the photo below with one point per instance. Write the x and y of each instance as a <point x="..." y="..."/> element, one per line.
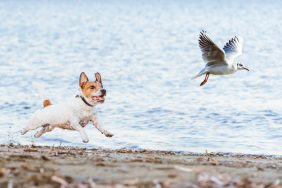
<point x="98" y="77"/>
<point x="82" y="80"/>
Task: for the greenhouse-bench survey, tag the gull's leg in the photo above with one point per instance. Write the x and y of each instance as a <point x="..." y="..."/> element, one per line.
<point x="205" y="80"/>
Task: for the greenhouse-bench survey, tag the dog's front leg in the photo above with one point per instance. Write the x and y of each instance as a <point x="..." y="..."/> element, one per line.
<point x="77" y="126"/>
<point x="99" y="127"/>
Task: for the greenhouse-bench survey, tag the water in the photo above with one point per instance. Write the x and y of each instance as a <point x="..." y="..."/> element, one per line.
<point x="146" y="52"/>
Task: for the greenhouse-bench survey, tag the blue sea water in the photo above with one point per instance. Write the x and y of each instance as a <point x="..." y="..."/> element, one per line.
<point x="146" y="51"/>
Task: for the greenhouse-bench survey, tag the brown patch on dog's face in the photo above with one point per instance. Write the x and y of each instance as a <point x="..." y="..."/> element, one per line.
<point x="93" y="90"/>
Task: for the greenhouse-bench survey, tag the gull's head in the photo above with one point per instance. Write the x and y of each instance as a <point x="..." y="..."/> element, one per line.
<point x="240" y="66"/>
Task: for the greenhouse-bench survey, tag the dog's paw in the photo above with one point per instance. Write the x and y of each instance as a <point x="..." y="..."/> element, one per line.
<point x="37" y="135"/>
<point x="108" y="134"/>
<point x="23" y="131"/>
<point x="85" y="141"/>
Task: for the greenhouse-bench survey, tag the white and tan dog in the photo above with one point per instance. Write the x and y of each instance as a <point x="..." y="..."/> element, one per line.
<point x="73" y="114"/>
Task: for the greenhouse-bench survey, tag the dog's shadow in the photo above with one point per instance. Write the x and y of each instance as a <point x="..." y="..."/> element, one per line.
<point x="55" y="140"/>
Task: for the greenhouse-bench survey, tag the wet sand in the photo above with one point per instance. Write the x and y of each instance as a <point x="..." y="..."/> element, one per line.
<point x="42" y="166"/>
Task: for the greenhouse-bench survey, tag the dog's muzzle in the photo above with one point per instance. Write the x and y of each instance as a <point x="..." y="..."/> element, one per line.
<point x="100" y="98"/>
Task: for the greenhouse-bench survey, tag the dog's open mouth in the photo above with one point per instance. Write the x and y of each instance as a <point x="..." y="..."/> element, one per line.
<point x="100" y="98"/>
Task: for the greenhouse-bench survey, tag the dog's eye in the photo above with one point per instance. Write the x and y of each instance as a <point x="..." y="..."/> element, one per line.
<point x="92" y="87"/>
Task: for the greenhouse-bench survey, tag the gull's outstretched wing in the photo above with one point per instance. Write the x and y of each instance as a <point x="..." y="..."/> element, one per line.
<point x="233" y="48"/>
<point x="211" y="53"/>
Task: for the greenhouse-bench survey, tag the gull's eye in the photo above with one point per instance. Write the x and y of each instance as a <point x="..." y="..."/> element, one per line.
<point x="92" y="87"/>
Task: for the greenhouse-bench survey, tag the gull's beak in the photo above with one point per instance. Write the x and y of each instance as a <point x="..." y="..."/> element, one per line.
<point x="246" y="68"/>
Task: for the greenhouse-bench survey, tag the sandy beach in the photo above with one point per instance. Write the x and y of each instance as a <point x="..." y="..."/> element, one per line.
<point x="43" y="166"/>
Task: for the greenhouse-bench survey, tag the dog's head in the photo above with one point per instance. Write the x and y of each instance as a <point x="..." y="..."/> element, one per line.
<point x="93" y="91"/>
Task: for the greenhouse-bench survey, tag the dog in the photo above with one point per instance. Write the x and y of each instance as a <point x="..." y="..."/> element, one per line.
<point x="73" y="114"/>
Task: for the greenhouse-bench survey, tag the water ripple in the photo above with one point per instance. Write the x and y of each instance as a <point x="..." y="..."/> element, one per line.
<point x="147" y="52"/>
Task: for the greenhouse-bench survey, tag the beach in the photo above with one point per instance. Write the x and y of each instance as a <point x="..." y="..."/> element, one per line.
<point x="45" y="166"/>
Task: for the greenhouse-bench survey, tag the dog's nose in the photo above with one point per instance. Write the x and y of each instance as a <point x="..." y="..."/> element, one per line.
<point x="103" y="91"/>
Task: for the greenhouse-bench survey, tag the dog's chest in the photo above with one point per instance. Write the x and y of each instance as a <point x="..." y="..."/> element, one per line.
<point x="84" y="122"/>
<point x="84" y="118"/>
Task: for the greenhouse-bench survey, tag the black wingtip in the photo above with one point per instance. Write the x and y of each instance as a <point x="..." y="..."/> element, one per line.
<point x="203" y="32"/>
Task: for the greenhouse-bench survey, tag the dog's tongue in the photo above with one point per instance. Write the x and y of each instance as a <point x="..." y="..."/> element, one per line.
<point x="98" y="98"/>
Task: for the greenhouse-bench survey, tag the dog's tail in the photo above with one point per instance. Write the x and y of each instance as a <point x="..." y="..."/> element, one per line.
<point x="40" y="93"/>
<point x="46" y="102"/>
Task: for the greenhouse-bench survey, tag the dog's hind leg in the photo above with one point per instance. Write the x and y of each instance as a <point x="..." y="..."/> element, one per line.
<point x="33" y="124"/>
<point x="24" y="130"/>
<point x="45" y="129"/>
<point x="28" y="128"/>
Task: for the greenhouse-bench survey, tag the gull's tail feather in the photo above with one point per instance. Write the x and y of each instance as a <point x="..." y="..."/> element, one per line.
<point x="199" y="74"/>
<point x="41" y="94"/>
<point x="196" y="76"/>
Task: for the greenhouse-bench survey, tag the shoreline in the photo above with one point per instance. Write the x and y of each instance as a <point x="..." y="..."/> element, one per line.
<point x="47" y="166"/>
<point x="219" y="153"/>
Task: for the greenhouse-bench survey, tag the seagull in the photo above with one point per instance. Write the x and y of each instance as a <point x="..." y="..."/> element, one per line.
<point x="218" y="61"/>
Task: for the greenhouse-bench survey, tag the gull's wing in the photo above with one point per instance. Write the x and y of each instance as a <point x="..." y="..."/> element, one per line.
<point x="211" y="53"/>
<point x="233" y="48"/>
